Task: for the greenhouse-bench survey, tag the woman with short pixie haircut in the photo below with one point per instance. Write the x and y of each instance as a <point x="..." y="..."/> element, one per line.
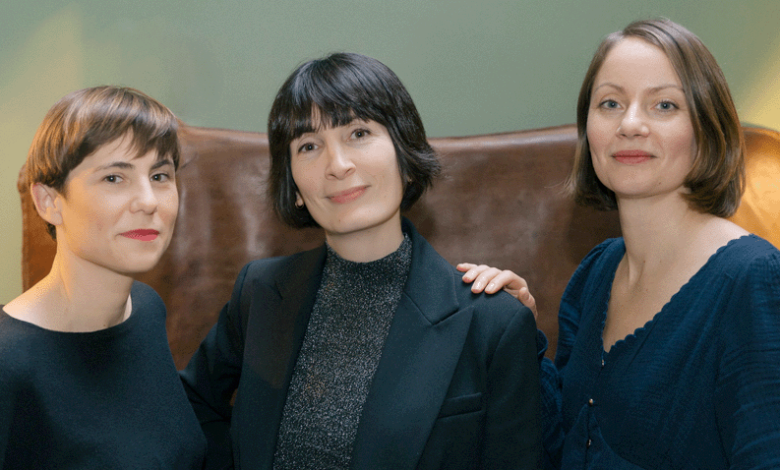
<point x="669" y="339"/>
<point x="368" y="352"/>
<point x="87" y="380"/>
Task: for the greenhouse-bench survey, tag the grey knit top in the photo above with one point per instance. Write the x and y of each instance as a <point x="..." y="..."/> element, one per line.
<point x="347" y="330"/>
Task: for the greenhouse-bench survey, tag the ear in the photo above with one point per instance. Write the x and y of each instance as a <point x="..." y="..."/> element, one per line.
<point x="298" y="200"/>
<point x="47" y="203"/>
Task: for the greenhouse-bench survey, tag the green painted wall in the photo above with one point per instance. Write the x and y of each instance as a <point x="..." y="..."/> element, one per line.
<point x="472" y="67"/>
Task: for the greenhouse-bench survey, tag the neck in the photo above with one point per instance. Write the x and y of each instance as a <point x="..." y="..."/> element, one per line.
<point x="368" y="244"/>
<point x="77" y="296"/>
<point x="658" y="232"/>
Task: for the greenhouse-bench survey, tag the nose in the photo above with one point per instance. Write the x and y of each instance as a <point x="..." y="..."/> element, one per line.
<point x="145" y="199"/>
<point x="633" y="123"/>
<point x="340" y="164"/>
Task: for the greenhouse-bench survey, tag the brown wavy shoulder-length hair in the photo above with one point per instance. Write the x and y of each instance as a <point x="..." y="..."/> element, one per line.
<point x="717" y="179"/>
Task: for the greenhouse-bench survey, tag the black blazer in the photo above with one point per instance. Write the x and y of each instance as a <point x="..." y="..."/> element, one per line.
<point x="457" y="386"/>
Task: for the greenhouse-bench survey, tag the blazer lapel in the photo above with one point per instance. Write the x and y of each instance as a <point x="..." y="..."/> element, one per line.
<point x="419" y="358"/>
<point x="270" y="356"/>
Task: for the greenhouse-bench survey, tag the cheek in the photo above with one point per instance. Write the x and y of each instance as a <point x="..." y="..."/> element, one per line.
<point x="596" y="135"/>
<point x="169" y="205"/>
<point x="304" y="181"/>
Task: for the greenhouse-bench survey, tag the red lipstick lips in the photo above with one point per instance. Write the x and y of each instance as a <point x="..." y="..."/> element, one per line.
<point x="632" y="157"/>
<point x="145" y="235"/>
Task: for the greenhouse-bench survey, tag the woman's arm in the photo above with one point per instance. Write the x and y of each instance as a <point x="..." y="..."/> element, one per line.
<point x="748" y="386"/>
<point x="513" y="421"/>
<point x="212" y="375"/>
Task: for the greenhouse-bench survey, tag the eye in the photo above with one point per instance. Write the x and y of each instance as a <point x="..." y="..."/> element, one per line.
<point x="307" y="147"/>
<point x="360" y="133"/>
<point x="667" y="105"/>
<point x="112" y="179"/>
<point x="161" y="177"/>
<point x="609" y="104"/>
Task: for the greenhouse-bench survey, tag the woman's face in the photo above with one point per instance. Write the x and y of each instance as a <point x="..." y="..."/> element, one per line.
<point x="639" y="129"/>
<point x="118" y="210"/>
<point x="348" y="178"/>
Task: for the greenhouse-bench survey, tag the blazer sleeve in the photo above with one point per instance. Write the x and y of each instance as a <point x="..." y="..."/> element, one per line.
<point x="212" y="375"/>
<point x="513" y="424"/>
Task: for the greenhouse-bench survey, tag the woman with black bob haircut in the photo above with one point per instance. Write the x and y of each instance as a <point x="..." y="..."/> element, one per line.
<point x="368" y="352"/>
<point x="333" y="92"/>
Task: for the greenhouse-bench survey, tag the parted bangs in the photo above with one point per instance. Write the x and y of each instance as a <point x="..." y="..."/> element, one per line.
<point x="332" y="92"/>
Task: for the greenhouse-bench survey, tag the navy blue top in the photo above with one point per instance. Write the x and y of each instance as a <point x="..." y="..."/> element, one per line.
<point x="108" y="399"/>
<point x="697" y="387"/>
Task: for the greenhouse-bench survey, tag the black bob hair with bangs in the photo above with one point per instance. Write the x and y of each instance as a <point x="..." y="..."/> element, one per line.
<point x="331" y="92"/>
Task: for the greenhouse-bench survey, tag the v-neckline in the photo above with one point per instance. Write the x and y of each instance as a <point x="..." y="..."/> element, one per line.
<point x="639" y="331"/>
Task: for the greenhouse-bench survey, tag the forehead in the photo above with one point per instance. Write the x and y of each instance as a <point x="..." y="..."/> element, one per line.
<point x="123" y="149"/>
<point x="318" y="120"/>
<point x="636" y="62"/>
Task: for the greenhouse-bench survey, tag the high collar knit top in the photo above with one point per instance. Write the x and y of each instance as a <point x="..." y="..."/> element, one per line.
<point x="352" y="313"/>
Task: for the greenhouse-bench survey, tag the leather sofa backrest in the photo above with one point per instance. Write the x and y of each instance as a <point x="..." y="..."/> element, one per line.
<point x="500" y="202"/>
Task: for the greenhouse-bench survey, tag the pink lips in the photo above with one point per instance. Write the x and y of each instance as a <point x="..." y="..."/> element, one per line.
<point x="347" y="195"/>
<point x="145" y="235"/>
<point x="632" y="157"/>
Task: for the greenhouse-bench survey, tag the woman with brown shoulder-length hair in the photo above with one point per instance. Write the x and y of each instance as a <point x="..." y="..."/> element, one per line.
<point x="669" y="338"/>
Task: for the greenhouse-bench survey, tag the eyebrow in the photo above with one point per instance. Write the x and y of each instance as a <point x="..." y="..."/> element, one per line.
<point x="130" y="166"/>
<point x="654" y="89"/>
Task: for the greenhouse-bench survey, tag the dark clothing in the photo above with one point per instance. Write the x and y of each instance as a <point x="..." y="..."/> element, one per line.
<point x="698" y="387"/>
<point x="457" y="386"/>
<point x="109" y="399"/>
<point x="341" y="349"/>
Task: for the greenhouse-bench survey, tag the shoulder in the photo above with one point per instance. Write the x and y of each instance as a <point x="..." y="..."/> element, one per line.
<point x="17" y="345"/>
<point x="279" y="270"/>
<point x="753" y="265"/>
<point x="747" y="255"/>
<point x="268" y="267"/>
<point x="496" y="311"/>
<point x="600" y="263"/>
<point x="143" y="295"/>
<point x="607" y="252"/>
<point x="747" y="274"/>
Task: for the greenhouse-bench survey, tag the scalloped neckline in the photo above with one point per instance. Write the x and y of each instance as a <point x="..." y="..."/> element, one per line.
<point x="631" y="337"/>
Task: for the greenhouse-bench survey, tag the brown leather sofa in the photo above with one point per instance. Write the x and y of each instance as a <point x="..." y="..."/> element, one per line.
<point x="500" y="202"/>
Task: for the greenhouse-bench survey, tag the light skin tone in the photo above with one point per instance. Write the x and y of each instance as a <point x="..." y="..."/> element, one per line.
<point x="114" y="219"/>
<point x="348" y="179"/>
<point x="642" y="147"/>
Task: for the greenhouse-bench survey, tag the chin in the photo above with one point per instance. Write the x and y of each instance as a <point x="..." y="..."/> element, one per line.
<point x="139" y="265"/>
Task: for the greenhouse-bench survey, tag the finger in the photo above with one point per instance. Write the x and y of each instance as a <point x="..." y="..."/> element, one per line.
<point x="524" y="296"/>
<point x="506" y="280"/>
<point x="474" y="271"/>
<point x="463" y="267"/>
<point x="485" y="277"/>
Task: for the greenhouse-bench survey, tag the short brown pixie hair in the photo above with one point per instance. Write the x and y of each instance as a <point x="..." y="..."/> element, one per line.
<point x="717" y="179"/>
<point x="334" y="91"/>
<point x="84" y="120"/>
